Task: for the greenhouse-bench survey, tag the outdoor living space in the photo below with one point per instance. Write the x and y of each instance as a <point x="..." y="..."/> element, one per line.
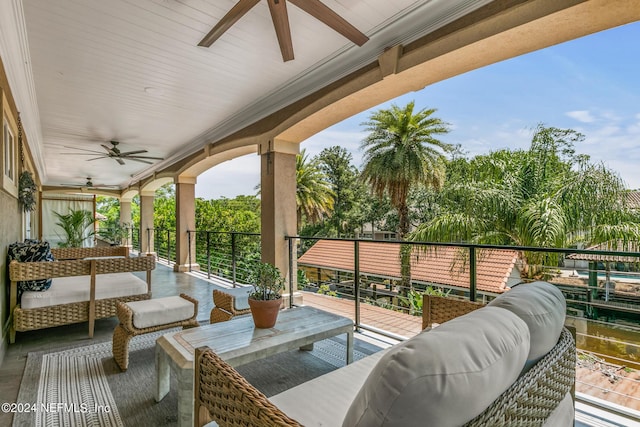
<point x="127" y="260"/>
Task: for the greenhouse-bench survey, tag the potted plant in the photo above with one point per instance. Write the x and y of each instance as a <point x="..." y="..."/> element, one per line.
<point x="77" y="226"/>
<point x="265" y="299"/>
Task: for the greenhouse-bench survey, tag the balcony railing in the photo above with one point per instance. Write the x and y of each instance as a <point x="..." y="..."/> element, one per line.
<point x="603" y="299"/>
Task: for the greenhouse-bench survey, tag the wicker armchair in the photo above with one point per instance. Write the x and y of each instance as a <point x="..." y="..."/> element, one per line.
<point x="224" y="396"/>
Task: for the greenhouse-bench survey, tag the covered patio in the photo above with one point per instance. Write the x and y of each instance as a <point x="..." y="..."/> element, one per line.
<point x="126" y="85"/>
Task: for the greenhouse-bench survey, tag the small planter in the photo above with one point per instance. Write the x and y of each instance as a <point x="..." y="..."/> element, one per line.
<point x="265" y="312"/>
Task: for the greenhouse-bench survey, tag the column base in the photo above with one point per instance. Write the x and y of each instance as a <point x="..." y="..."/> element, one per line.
<point x="182" y="268"/>
<point x="297" y="299"/>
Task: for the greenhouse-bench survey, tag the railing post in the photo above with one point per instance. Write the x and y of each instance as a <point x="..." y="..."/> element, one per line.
<point x="189" y="246"/>
<point x="233" y="256"/>
<point x="168" y="247"/>
<point x="148" y="239"/>
<point x="208" y="254"/>
<point x="291" y="272"/>
<point x="472" y="273"/>
<point x="356" y="281"/>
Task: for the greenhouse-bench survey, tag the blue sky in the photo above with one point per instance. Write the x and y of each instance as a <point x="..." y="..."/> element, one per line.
<point x="591" y="85"/>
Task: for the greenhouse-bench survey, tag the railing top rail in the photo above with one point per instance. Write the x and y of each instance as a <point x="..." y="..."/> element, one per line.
<point x="244" y="233"/>
<point x="479" y="246"/>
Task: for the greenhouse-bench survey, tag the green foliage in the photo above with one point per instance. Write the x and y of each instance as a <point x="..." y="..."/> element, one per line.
<point x="302" y="279"/>
<point x="77" y="226"/>
<point x="336" y="163"/>
<point x="109" y="207"/>
<point x="241" y="214"/>
<point x="267" y="281"/>
<point x="314" y="196"/>
<point x="547" y="196"/>
<point x="114" y="232"/>
<point x="401" y="152"/>
<point x="326" y="290"/>
<point x="414" y="298"/>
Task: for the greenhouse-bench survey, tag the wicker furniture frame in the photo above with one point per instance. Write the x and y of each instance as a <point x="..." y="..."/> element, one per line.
<point x="61" y="254"/>
<point x="126" y="330"/>
<point x="528" y="402"/>
<point x="77" y="312"/>
<point x="437" y="309"/>
<point x="224" y="307"/>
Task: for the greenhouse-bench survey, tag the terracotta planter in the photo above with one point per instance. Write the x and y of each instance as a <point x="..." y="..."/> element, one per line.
<point x="265" y="313"/>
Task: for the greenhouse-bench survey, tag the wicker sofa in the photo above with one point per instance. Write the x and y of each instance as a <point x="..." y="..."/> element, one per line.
<point x="522" y="380"/>
<point x="87" y="285"/>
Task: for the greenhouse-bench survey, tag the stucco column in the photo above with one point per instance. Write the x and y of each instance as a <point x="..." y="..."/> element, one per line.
<point x="278" y="202"/>
<point x="185" y="221"/>
<point x="146" y="221"/>
<point x="125" y="219"/>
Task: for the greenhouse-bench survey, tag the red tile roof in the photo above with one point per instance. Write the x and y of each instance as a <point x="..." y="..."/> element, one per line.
<point x="617" y="246"/>
<point x="443" y="265"/>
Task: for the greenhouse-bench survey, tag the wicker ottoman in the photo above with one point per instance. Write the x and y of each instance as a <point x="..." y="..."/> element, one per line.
<point x="142" y="317"/>
<point x="230" y="303"/>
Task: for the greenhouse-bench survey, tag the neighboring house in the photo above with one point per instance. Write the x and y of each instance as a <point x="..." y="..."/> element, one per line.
<point x="633" y="199"/>
<point x="497" y="270"/>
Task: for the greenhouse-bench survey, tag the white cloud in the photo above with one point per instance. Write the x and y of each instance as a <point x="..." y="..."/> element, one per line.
<point x="583" y="116"/>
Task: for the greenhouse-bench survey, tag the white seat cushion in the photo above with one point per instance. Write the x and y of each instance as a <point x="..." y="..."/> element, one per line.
<point x="446" y="376"/>
<point x="241" y="296"/>
<point x="331" y="394"/>
<point x="65" y="290"/>
<point x="160" y="311"/>
<point x="543" y="308"/>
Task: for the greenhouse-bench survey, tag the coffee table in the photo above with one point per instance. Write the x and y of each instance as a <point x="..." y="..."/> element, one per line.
<point x="238" y="341"/>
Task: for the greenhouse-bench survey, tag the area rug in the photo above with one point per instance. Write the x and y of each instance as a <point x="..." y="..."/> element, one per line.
<point x="83" y="386"/>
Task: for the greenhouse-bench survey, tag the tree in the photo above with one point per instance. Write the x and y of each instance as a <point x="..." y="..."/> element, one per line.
<point x="314" y="196"/>
<point x="401" y="152"/>
<point x="546" y="196"/>
<point x="335" y="162"/>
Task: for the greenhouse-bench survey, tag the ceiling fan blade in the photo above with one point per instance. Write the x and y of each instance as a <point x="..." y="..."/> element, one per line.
<point x="119" y="160"/>
<point x="109" y="149"/>
<point x="135" y="159"/>
<point x="144" y="157"/>
<point x="82" y="149"/>
<point x="278" y="9"/>
<point x="128" y="153"/>
<point x="86" y="154"/>
<point x="98" y="158"/>
<point x="322" y="13"/>
<point x="236" y="12"/>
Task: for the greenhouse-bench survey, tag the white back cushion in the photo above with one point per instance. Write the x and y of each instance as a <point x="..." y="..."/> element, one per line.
<point x="446" y="376"/>
<point x="543" y="308"/>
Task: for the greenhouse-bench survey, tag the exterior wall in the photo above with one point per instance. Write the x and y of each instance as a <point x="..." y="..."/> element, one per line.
<point x="11" y="222"/>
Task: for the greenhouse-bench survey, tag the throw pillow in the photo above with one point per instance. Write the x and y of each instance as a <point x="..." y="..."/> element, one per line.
<point x="446" y="376"/>
<point x="31" y="251"/>
<point x="543" y="308"/>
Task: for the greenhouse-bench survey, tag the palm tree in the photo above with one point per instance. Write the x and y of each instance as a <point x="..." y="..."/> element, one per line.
<point x="314" y="196"/>
<point x="401" y="152"/>
<point x="544" y="197"/>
